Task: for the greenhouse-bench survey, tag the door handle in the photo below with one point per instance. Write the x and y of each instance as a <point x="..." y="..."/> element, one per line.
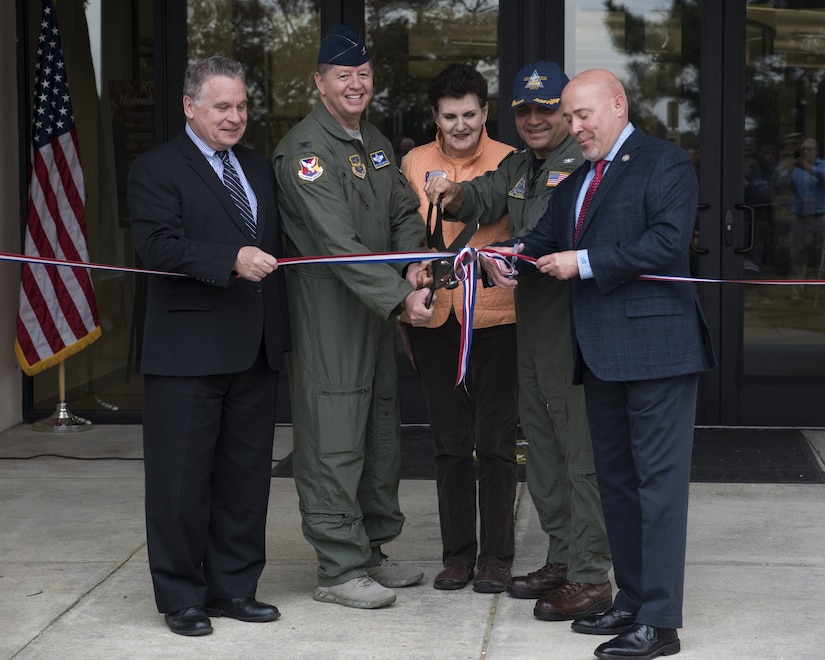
<point x="727" y="227"/>
<point x="694" y="244"/>
<point x="751" y="223"/>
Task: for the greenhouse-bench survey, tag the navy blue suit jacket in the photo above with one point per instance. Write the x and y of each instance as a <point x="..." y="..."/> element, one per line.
<point x="640" y="221"/>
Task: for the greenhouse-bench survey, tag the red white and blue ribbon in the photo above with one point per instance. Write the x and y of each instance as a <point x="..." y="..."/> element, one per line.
<point x="467" y="274"/>
<point x="705" y="280"/>
<point x="465" y="267"/>
<point x="372" y="257"/>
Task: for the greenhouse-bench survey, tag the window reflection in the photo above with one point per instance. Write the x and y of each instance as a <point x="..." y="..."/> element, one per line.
<point x="411" y="42"/>
<point x="278" y="44"/>
<point x="108" y="49"/>
<point x="652" y="47"/>
<point x="784" y="135"/>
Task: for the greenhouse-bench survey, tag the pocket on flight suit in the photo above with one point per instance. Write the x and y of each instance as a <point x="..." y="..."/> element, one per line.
<point x="384" y="434"/>
<point x="343" y="412"/>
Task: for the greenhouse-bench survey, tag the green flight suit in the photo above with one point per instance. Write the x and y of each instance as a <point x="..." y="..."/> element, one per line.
<point x="561" y="475"/>
<point x="338" y="195"/>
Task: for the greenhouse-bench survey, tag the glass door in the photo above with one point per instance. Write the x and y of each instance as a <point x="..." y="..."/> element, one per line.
<point x="739" y="85"/>
<point x="654" y="47"/>
<point x="782" y="213"/>
<point x="110" y="66"/>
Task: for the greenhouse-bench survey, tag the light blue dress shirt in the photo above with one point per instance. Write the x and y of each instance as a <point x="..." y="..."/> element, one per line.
<point x="215" y="161"/>
<point x="585" y="272"/>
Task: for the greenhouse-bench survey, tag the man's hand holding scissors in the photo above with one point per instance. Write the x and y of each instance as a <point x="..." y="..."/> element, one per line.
<point x="420" y="275"/>
<point x="495" y="274"/>
<point x="449" y="193"/>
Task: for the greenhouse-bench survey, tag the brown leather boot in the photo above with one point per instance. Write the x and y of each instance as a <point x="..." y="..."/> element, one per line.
<point x="573" y="600"/>
<point x="538" y="583"/>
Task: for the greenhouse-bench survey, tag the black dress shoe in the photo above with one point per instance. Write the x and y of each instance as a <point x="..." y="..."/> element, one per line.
<point x="612" y="622"/>
<point x="190" y="621"/>
<point x="642" y="643"/>
<point x="242" y="609"/>
<point x="453" y="577"/>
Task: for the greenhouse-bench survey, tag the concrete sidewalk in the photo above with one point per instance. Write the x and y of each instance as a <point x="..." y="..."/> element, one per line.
<point x="74" y="581"/>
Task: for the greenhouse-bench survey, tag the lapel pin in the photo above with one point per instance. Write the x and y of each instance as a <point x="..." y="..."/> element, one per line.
<point x="625" y="158"/>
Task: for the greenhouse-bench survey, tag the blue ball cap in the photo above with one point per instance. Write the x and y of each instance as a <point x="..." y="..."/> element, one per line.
<point x="539" y="82"/>
<point x="343" y="46"/>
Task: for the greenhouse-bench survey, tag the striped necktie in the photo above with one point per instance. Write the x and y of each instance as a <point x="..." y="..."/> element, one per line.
<point x="233" y="184"/>
<point x="588" y="197"/>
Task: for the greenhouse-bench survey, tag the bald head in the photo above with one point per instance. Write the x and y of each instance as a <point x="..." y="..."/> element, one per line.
<point x="595" y="106"/>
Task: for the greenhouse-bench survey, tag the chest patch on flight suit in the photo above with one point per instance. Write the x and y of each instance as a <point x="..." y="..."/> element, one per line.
<point x="310" y="169"/>
<point x="555" y="177"/>
<point x="379" y="159"/>
<point x="519" y="191"/>
<point x="358" y="167"/>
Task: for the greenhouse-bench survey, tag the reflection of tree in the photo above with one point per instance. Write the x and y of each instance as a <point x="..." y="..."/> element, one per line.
<point x="411" y="42"/>
<point x="277" y="40"/>
<point x="663" y="61"/>
<point x="395" y="90"/>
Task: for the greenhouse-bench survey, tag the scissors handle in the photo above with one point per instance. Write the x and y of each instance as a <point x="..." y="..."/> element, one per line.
<point x="514" y="258"/>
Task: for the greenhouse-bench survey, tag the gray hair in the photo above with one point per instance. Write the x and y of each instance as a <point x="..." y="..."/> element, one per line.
<point x="198" y="72"/>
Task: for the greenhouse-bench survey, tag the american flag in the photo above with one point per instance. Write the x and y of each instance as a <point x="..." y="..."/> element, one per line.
<point x="58" y="313"/>
<point x="555" y="177"/>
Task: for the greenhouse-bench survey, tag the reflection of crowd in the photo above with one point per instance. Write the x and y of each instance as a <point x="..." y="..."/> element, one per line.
<point x="760" y="184"/>
<point x="401" y="144"/>
<point x="806" y="181"/>
<point x="785" y="187"/>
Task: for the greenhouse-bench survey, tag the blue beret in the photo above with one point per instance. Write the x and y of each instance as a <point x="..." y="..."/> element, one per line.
<point x="540" y="83"/>
<point x="343" y="46"/>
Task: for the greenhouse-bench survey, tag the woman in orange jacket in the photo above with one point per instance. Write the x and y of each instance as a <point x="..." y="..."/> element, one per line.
<point x="480" y="417"/>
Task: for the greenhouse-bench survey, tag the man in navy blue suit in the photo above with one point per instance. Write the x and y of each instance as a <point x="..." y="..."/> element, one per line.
<point x="639" y="346"/>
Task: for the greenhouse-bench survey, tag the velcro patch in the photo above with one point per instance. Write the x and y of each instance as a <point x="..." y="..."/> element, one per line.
<point x="310" y="169"/>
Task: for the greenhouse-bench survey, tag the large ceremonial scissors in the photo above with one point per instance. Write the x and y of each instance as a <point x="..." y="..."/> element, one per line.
<point x="443" y="270"/>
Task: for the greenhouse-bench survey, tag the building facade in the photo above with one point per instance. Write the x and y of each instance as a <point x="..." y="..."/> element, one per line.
<point x="739" y="84"/>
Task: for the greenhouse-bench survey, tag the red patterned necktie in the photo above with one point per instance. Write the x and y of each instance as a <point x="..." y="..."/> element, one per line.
<point x="588" y="197"/>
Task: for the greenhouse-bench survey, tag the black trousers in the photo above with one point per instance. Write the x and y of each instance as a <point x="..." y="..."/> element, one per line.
<point x="482" y="418"/>
<point x="208" y="461"/>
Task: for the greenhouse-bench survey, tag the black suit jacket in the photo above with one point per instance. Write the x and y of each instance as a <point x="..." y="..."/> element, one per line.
<point x="184" y="221"/>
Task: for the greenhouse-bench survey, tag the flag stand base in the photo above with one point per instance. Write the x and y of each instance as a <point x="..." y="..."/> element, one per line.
<point x="62" y="421"/>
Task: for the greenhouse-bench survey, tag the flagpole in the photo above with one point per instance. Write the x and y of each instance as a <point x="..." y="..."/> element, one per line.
<point x="62" y="420"/>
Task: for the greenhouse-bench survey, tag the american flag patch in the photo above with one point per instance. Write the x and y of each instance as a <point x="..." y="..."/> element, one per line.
<point x="555" y="177"/>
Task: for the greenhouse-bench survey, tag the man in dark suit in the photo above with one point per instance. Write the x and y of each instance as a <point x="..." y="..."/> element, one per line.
<point x="639" y="346"/>
<point x="213" y="346"/>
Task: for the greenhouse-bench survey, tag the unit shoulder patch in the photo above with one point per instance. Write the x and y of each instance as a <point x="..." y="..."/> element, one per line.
<point x="310" y="169"/>
<point x="519" y="191"/>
